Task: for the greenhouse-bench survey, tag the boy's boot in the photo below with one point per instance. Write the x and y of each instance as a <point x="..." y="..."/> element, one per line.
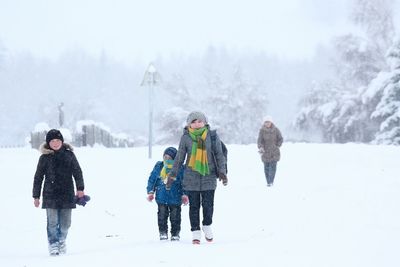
<point x="163" y="236"/>
<point x="53" y="249"/>
<point x="63" y="247"/>
<point x="175" y="236"/>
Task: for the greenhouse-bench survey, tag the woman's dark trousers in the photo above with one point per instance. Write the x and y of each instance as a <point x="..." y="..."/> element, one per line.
<point x="270" y="170"/>
<point x="205" y="199"/>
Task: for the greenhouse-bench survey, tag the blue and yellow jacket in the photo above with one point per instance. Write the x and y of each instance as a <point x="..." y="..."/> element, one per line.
<point x="157" y="186"/>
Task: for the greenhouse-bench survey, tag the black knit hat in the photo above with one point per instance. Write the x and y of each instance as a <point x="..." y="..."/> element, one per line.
<point x="170" y="151"/>
<point x="54" y="134"/>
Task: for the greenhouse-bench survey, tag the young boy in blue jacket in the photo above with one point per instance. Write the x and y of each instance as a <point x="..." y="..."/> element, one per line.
<point x="169" y="201"/>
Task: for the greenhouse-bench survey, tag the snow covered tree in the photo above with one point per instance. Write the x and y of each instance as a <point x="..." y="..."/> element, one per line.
<point x="387" y="89"/>
<point x="350" y="123"/>
<point x="329" y="115"/>
<point x="375" y="18"/>
<point x="170" y="126"/>
<point x="358" y="59"/>
<point x="232" y="97"/>
<point x="355" y="62"/>
<point x="177" y="87"/>
<point x="341" y="110"/>
<point x="222" y="90"/>
<point x="170" y="121"/>
<point x="318" y="109"/>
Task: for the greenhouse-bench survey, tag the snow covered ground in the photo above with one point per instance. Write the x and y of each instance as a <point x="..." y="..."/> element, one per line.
<point x="331" y="205"/>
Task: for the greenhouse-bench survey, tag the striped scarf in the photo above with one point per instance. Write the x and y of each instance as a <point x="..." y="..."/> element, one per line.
<point x="198" y="157"/>
<point x="166" y="169"/>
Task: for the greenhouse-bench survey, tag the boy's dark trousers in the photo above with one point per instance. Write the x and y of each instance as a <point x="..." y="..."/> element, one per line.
<point x="58" y="223"/>
<point x="206" y="200"/>
<point x="174" y="213"/>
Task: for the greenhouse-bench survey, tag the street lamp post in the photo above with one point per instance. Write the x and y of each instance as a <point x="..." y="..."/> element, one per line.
<point x="151" y="79"/>
<point x="61" y="114"/>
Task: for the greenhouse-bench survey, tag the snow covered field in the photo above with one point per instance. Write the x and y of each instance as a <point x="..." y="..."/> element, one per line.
<point x="331" y="205"/>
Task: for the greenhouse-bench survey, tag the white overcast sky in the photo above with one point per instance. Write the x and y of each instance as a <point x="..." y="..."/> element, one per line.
<point x="133" y="29"/>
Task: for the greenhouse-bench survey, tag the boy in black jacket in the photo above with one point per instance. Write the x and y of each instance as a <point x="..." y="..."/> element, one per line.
<point x="57" y="165"/>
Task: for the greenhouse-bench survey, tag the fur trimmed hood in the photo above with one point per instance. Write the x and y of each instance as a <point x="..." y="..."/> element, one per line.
<point x="45" y="149"/>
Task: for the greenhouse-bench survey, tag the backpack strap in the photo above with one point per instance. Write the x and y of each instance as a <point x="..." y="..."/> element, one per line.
<point x="213" y="135"/>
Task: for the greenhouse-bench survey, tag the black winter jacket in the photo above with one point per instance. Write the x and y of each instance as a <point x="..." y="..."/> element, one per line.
<point x="57" y="169"/>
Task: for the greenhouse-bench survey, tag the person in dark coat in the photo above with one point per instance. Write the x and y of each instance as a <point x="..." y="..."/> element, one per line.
<point x="168" y="201"/>
<point x="57" y="170"/>
<point x="269" y="141"/>
<point x="201" y="172"/>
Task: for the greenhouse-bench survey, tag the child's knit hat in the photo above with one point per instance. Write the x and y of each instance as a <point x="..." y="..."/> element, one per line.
<point x="170" y="151"/>
<point x="54" y="134"/>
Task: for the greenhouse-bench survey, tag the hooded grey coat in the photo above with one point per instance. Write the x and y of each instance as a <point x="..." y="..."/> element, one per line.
<point x="269" y="140"/>
<point x="192" y="180"/>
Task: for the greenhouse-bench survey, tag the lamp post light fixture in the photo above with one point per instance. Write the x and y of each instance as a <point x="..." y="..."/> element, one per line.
<point x="151" y="79"/>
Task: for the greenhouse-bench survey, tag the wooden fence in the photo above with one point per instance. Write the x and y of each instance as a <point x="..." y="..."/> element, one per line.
<point x="37" y="138"/>
<point x="87" y="135"/>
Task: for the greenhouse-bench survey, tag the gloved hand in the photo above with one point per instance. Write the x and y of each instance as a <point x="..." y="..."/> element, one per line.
<point x="261" y="150"/>
<point x="150" y="197"/>
<point x="170" y="180"/>
<point x="81" y="200"/>
<point x="185" y="200"/>
<point x="223" y="178"/>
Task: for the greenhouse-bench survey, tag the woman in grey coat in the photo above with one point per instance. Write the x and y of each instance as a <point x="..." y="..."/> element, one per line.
<point x="205" y="162"/>
<point x="269" y="142"/>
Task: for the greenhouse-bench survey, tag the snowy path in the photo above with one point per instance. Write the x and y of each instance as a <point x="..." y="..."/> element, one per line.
<point x="332" y="205"/>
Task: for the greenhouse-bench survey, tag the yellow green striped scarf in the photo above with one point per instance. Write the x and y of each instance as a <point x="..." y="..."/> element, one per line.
<point x="198" y="157"/>
<point x="166" y="169"/>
